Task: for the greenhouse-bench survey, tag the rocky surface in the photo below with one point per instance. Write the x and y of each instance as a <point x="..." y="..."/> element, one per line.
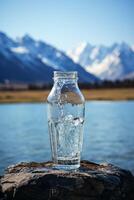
<point x="38" y="181"/>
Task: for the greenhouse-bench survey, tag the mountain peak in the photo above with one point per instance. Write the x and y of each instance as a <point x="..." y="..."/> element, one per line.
<point x="27" y="39"/>
<point x="80" y="49"/>
<point x="124" y="46"/>
<point x="2" y="35"/>
<point x="84" y="46"/>
<point x="6" y="41"/>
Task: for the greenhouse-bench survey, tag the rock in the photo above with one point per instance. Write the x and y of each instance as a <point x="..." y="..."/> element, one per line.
<point x="38" y="181"/>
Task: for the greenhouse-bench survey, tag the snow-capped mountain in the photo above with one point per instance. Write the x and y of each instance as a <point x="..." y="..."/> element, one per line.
<point x="28" y="60"/>
<point x="111" y="63"/>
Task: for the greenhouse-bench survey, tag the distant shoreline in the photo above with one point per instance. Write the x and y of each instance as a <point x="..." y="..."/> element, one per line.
<point x="33" y="96"/>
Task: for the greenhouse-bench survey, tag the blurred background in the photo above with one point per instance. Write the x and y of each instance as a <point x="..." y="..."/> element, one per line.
<point x="93" y="37"/>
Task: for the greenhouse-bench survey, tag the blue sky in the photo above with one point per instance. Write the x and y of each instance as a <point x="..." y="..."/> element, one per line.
<point x="66" y="23"/>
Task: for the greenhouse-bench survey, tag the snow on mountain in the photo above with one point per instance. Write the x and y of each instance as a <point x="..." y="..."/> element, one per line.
<point x="132" y="47"/>
<point x="81" y="54"/>
<point x="48" y="62"/>
<point x="111" y="63"/>
<point x="20" y="50"/>
<point x="29" y="60"/>
<point x="110" y="68"/>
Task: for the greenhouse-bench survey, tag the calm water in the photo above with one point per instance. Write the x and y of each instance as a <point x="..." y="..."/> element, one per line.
<point x="108" y="136"/>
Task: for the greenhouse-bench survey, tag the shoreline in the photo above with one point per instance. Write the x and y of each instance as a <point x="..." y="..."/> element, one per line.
<point x="36" y="96"/>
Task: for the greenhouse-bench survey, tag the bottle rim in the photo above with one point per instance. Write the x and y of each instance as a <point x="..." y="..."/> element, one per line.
<point x="65" y="75"/>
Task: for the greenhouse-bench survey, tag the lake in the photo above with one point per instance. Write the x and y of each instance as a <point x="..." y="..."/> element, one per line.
<point x="108" y="134"/>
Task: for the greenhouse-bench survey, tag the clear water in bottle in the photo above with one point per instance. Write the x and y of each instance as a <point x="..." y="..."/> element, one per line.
<point x="65" y="121"/>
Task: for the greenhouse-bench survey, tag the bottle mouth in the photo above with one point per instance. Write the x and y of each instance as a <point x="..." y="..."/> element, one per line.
<point x="65" y="75"/>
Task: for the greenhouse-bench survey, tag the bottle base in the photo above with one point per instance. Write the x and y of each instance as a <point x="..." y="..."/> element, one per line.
<point x="67" y="164"/>
<point x="66" y="167"/>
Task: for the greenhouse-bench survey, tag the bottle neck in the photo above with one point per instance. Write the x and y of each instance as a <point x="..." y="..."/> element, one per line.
<point x="65" y="76"/>
<point x="65" y="81"/>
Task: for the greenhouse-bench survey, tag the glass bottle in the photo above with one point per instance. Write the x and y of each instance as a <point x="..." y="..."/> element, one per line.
<point x="66" y="111"/>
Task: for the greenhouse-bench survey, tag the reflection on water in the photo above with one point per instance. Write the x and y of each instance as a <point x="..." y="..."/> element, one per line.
<point x="108" y="136"/>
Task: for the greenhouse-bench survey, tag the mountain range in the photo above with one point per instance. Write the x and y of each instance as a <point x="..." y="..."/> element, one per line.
<point x="115" y="62"/>
<point x="26" y="60"/>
